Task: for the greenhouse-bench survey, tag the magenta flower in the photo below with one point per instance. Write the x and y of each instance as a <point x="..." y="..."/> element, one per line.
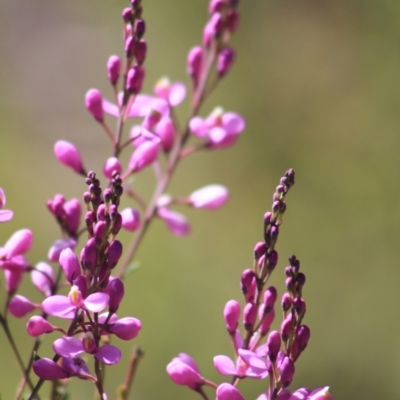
<point x="130" y="219"/>
<point x="174" y="93"/>
<point x="219" y="129"/>
<point x="19" y="306"/>
<point x="141" y="106"/>
<point x="69" y="155"/>
<point x="58" y="246"/>
<point x="5" y="215"/>
<point x="226" y="391"/>
<point x="11" y="255"/>
<point x="111" y="165"/>
<point x="94" y="104"/>
<point x="68" y="346"/>
<point x="49" y="370"/>
<point x="145" y="154"/>
<point x="70" y="264"/>
<point x="183" y="370"/>
<point x="66" y="306"/>
<point x="209" y="197"/>
<point x="225" y="366"/>
<point x="175" y="221"/>
<point x="125" y="328"/>
<point x="37" y="326"/>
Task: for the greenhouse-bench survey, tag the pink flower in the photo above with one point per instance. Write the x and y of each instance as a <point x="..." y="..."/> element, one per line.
<point x="66" y="306"/>
<point x="19" y="306"/>
<point x="144" y="155"/>
<point x="125" y="328"/>
<point x="68" y="346"/>
<point x="37" y="326"/>
<point x="130" y="219"/>
<point x="47" y="369"/>
<point x="174" y="93"/>
<point x="112" y="164"/>
<point x="183" y="370"/>
<point x="219" y="129"/>
<point x="5" y="215"/>
<point x="11" y="255"/>
<point x="226" y="391"/>
<point x="225" y="366"/>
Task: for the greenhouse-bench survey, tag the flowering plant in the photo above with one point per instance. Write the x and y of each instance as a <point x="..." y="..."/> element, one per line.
<point x="86" y="291"/>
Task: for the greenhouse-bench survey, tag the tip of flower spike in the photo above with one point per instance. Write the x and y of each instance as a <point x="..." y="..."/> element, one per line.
<point x="94" y="104"/>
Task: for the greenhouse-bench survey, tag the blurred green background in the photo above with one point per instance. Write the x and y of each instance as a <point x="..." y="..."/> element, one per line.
<point x="318" y="83"/>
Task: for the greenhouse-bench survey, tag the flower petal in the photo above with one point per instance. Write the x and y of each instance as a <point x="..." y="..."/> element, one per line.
<point x="96" y="302"/>
<point x="108" y="354"/>
<point x="48" y="370"/>
<point x="68" y="346"/>
<point x="224" y="365"/>
<point x="5" y="215"/>
<point x="59" y="306"/>
<point x="177" y="93"/>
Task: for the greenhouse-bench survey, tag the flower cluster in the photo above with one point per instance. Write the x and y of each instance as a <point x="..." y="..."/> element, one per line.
<point x="255" y="359"/>
<point x="92" y="283"/>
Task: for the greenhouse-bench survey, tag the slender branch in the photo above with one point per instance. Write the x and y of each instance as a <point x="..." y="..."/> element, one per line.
<point x="125" y="388"/>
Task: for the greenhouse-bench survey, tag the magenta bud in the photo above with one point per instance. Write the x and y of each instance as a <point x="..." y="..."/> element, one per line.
<point x="194" y="63"/>
<point x="266" y="319"/>
<point x="225" y="60"/>
<point x="145" y="154"/>
<point x="37" y="326"/>
<point x="272" y="259"/>
<point x="114" y="252"/>
<point x="286" y="302"/>
<point x="19" y="243"/>
<point x="58" y="246"/>
<point x="249" y="315"/>
<point x="19" y="306"/>
<point x="130" y="219"/>
<point x="70" y="264"/>
<point x="72" y="209"/>
<point x="115" y="290"/>
<point x="270" y="296"/>
<point x="209" y="197"/>
<point x="94" y="104"/>
<point x="100" y="231"/>
<point x="113" y="69"/>
<point x="130" y="45"/>
<point x="287" y="371"/>
<point x="165" y="129"/>
<point x="13" y="280"/>
<point x="80" y="283"/>
<point x="127" y="14"/>
<point x="101" y="212"/>
<point x="56" y="206"/>
<point x="226" y="391"/>
<point x="68" y="155"/>
<point x="183" y="370"/>
<point x="140" y="28"/>
<point x="299" y="306"/>
<point x="232" y="20"/>
<point x="259" y="250"/>
<point x="176" y="222"/>
<point x="273" y="345"/>
<point x="300" y="279"/>
<point x="286" y="327"/>
<point x="246" y="280"/>
<point x="125" y="328"/>
<point x="303" y="336"/>
<point x="215" y="6"/>
<point x="141" y="51"/>
<point x="134" y="79"/>
<point x="231" y="315"/>
<point x="89" y="255"/>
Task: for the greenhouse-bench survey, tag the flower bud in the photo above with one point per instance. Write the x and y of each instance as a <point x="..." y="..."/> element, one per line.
<point x="231" y="315"/>
<point x="209" y="197"/>
<point x="183" y="370"/>
<point x="58" y="246"/>
<point x="68" y="155"/>
<point x="165" y="129"/>
<point x="225" y="60"/>
<point x="94" y="104"/>
<point x="270" y="296"/>
<point x="114" y="252"/>
<point x="246" y="280"/>
<point x="286" y="327"/>
<point x="37" y="326"/>
<point x="287" y="371"/>
<point x="266" y="319"/>
<point x="134" y="79"/>
<point x="19" y="306"/>
<point x="140" y="28"/>
<point x="72" y="209"/>
<point x="49" y="370"/>
<point x="226" y="391"/>
<point x="113" y="69"/>
<point x="125" y="328"/>
<point x="194" y="63"/>
<point x="175" y="221"/>
<point x="19" y="243"/>
<point x="249" y="315"/>
<point x="88" y="256"/>
<point x="115" y="290"/>
<point x="144" y="155"/>
<point x="13" y="280"/>
<point x="273" y="345"/>
<point x="43" y="278"/>
<point x="140" y="51"/>
<point x="130" y="219"/>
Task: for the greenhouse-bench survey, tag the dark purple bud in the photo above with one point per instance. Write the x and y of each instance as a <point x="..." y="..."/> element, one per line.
<point x="141" y="51"/>
<point x="286" y="302"/>
<point x="273" y="345"/>
<point x="246" y="280"/>
<point x="140" y="28"/>
<point x="127" y="15"/>
<point x="117" y="224"/>
<point x="286" y="327"/>
<point x="288" y="272"/>
<point x="287" y="371"/>
<point x="100" y="231"/>
<point x="303" y="336"/>
<point x="259" y="250"/>
<point x="276" y="206"/>
<point x="249" y="316"/>
<point x="289" y="282"/>
<point x="232" y="20"/>
<point x="107" y="194"/>
<point x="272" y="260"/>
<point x="113" y="211"/>
<point x="231" y="315"/>
<point x="299" y="306"/>
<point x="115" y="290"/>
<point x="113" y="69"/>
<point x="270" y="296"/>
<point x="130" y="45"/>
<point x="215" y="6"/>
<point x="301" y="279"/>
<point x="89" y="255"/>
<point x="114" y="252"/>
<point x="87" y="197"/>
<point x="225" y="60"/>
<point x="267" y="218"/>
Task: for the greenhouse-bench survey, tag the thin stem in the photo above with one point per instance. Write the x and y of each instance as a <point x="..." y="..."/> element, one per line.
<point x="14" y="348"/>
<point x="125" y="388"/>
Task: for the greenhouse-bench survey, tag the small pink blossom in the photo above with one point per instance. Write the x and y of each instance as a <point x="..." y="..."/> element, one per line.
<point x="183" y="370"/>
<point x="174" y="92"/>
<point x="19" y="306"/>
<point x="37" y="326"/>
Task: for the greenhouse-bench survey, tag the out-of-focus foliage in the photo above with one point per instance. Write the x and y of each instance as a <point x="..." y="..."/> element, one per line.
<point x="319" y="85"/>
